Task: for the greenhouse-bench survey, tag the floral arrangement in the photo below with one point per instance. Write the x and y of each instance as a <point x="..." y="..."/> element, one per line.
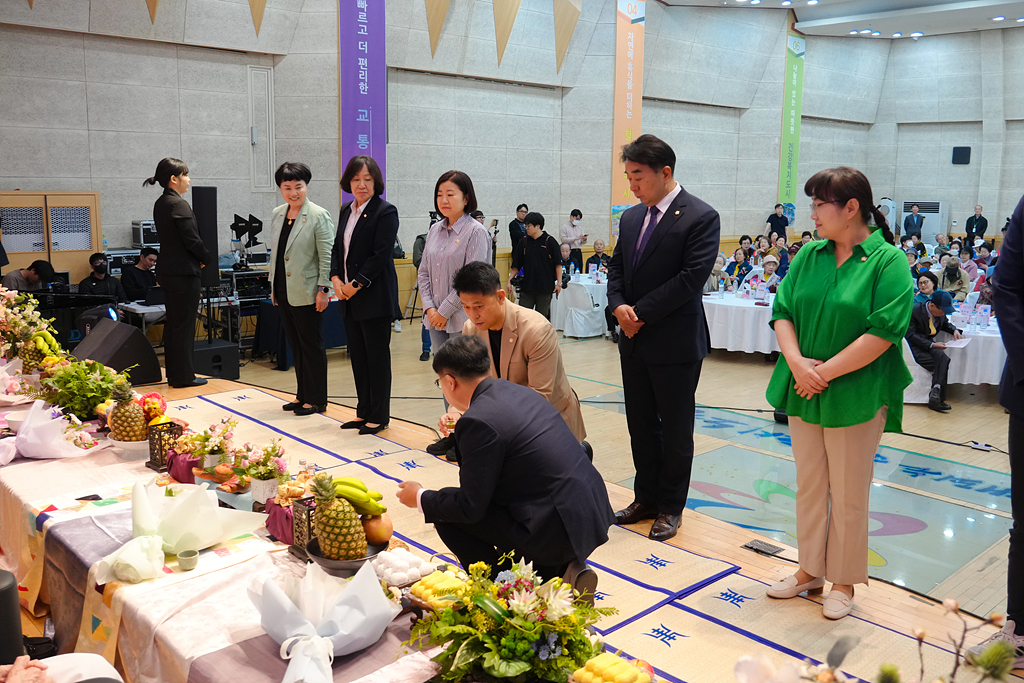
<point x="511" y="626"/>
<point x="19" y="320"/>
<point x="80" y="435"/>
<point x="78" y="387"/>
<point x="262" y="462"/>
<point x="215" y="441"/>
<point x="994" y="663"/>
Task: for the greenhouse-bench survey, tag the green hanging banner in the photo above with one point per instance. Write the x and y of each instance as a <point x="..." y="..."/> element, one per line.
<point x="792" y="108"/>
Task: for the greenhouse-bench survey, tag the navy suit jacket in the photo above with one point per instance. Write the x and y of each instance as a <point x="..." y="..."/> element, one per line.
<point x="1008" y="291"/>
<point x="370" y="261"/>
<point x="912" y="224"/>
<point x="666" y="286"/>
<point x="523" y="470"/>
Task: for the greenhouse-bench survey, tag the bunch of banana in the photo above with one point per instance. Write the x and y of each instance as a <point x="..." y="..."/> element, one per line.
<point x="362" y="499"/>
<point x="37" y="348"/>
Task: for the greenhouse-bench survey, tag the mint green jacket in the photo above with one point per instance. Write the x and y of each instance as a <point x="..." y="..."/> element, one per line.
<point x="307" y="254"/>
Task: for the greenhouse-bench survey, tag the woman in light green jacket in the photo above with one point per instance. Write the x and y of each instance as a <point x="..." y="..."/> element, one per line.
<point x="302" y="238"/>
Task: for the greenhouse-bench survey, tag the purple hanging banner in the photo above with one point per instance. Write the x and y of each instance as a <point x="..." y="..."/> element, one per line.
<point x="363" y="83"/>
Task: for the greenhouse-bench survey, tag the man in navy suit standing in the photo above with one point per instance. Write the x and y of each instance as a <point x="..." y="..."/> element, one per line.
<point x="913" y="222"/>
<point x="666" y="249"/>
<point x="1008" y="288"/>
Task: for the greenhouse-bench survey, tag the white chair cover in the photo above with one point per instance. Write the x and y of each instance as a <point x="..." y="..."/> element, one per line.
<point x="919" y="389"/>
<point x="583" y="318"/>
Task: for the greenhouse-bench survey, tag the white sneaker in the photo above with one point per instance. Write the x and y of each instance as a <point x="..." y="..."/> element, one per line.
<point x="788" y="587"/>
<point x="398" y="326"/>
<point x="1006" y="634"/>
<point x="837" y="605"/>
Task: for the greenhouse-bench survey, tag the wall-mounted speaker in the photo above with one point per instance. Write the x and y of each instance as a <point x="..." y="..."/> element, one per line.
<point x="961" y="156"/>
<point x="204" y="206"/>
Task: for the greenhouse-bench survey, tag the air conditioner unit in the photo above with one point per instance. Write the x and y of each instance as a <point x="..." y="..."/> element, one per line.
<point x="936" y="218"/>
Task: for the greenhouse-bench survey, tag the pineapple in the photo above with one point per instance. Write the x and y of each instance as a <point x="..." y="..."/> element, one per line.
<point x="32" y="354"/>
<point x="335" y="523"/>
<point x="127" y="420"/>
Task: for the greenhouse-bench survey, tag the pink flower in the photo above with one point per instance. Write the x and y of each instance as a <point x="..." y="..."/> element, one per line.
<point x="245" y="463"/>
<point x="282" y="465"/>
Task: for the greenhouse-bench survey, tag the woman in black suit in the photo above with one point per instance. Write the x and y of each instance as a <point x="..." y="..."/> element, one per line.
<point x="363" y="273"/>
<point x="182" y="255"/>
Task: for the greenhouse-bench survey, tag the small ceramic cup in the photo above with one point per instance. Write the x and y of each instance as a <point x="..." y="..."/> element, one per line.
<point x="188" y="559"/>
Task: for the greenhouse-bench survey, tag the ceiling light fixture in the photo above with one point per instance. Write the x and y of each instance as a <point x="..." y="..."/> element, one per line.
<point x="786" y="3"/>
<point x="1021" y="20"/>
<point x="755" y="2"/>
<point x="876" y="33"/>
<point x="854" y="32"/>
<point x="916" y="34"/>
<point x="998" y="18"/>
<point x="897" y="35"/>
<point x="867" y="30"/>
<point x="812" y="2"/>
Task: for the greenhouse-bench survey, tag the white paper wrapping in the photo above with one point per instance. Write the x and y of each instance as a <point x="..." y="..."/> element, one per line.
<point x="347" y="619"/>
<point x="8" y="372"/>
<point x="137" y="560"/>
<point x="42" y="437"/>
<point x="190" y="520"/>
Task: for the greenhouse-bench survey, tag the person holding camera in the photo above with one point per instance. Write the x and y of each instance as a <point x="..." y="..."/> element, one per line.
<point x="572" y="234"/>
<point x="536" y="264"/>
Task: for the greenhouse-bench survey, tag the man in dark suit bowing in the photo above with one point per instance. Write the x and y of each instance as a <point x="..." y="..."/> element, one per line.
<point x="666" y="250"/>
<point x="526" y="484"/>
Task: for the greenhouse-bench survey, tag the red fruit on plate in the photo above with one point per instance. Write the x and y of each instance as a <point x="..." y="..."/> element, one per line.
<point x="643" y="666"/>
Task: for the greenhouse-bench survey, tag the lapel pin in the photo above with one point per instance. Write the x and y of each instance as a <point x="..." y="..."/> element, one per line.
<point x="366" y="215"/>
<point x="863" y="258"/>
<point x="677" y="213"/>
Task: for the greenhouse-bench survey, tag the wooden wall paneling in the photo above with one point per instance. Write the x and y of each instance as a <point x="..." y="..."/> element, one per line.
<point x="567" y="13"/>
<point x="70" y="249"/>
<point x="505" y="12"/>
<point x="257" y="7"/>
<point x="152" y="10"/>
<point x="437" y="11"/>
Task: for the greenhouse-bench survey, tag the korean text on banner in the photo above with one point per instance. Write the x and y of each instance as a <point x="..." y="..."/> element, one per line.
<point x="629" y="85"/>
<point x="792" y="108"/>
<point x="363" y="82"/>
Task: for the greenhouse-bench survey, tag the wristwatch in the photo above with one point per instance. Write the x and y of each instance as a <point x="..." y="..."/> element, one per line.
<point x="325" y="290"/>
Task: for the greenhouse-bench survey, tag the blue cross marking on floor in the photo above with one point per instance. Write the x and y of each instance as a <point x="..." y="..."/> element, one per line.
<point x="732" y="597"/>
<point x="665" y="634"/>
<point x="410" y="464"/>
<point x="655" y="561"/>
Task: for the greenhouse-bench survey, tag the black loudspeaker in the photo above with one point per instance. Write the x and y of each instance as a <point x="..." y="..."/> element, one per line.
<point x="961" y="156"/>
<point x="218" y="359"/>
<point x="121" y="346"/>
<point x="204" y="206"/>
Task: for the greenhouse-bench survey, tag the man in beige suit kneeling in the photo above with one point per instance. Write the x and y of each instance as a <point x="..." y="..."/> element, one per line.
<point x="523" y="345"/>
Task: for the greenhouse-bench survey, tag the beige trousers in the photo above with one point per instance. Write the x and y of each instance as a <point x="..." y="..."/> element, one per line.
<point x="834" y="468"/>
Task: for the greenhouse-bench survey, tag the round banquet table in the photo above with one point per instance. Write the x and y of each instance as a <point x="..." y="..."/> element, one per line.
<point x="981" y="361"/>
<point x="599" y="292"/>
<point x="739" y="325"/>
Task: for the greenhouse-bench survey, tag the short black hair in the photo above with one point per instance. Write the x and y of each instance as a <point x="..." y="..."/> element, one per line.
<point x="534" y="218"/>
<point x="576" y="212"/>
<point x="465" y="356"/>
<point x="930" y="275"/>
<point x="478" y="214"/>
<point x="476" y="277"/>
<point x="913" y="205"/>
<point x="968" y="249"/>
<point x="355" y="165"/>
<point x="522" y="206"/>
<point x="43" y="269"/>
<point x="164" y="170"/>
<point x="986" y="245"/>
<point x="461" y="181"/>
<point x="650" y="151"/>
<point x="778" y="205"/>
<point x="745" y="237"/>
<point x="148" y="251"/>
<point x="292" y="170"/>
<point x="905" y="239"/>
<point x="808" y="233"/>
<point x="99" y="255"/>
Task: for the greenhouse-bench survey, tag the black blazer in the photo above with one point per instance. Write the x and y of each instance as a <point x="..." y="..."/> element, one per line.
<point x="370" y="260"/>
<point x="666" y="286"/>
<point x="1008" y="288"/>
<point x="912" y="224"/>
<point x="918" y="334"/>
<point x="181" y="247"/>
<point x="523" y="469"/>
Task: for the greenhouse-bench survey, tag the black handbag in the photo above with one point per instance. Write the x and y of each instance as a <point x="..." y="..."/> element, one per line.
<point x="398" y="251"/>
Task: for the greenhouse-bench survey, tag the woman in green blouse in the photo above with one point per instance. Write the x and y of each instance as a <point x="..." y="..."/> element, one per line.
<point x="840" y="316"/>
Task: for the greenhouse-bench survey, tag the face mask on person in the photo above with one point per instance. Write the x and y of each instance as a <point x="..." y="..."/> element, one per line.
<point x="574" y="222"/>
<point x="100" y="268"/>
<point x="954" y="252"/>
<point x="952" y="269"/>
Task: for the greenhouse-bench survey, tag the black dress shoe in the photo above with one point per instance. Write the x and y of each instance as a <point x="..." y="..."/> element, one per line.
<point x="353" y="424"/>
<point x="373" y="430"/>
<point x="441" y="446"/>
<point x="664" y="527"/>
<point x="311" y="410"/>
<point x="292" y="406"/>
<point x="615" y="337"/>
<point x="636" y="512"/>
<point x="452" y="455"/>
<point x="935" y="401"/>
<point x="197" y="382"/>
<point x="425" y="355"/>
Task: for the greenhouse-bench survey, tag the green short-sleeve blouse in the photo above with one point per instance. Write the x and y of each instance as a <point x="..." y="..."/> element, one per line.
<point x="830" y="308"/>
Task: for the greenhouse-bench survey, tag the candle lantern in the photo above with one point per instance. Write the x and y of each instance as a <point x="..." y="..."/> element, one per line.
<point x="162" y="437"/>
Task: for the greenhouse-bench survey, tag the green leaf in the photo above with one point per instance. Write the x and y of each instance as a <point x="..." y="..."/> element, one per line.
<point x="469" y="652"/>
<point x="502" y="668"/>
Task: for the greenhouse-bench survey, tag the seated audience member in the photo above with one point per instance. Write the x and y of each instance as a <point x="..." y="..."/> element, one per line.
<point x="740" y="266"/>
<point x="807" y="236"/>
<point x="941" y="245"/>
<point x="915" y="240"/>
<point x="953" y="278"/>
<point x="101" y="283"/>
<point x="926" y="321"/>
<point x="718" y="277"/>
<point x="599" y="259"/>
<point x="522" y="343"/>
<point x="525" y="484"/>
<point x="915" y="268"/>
<point x="776" y="222"/>
<point x="984" y="259"/>
<point x="538" y="258"/>
<point x="745" y="244"/>
<point x="906" y="243"/>
<point x="137" y="279"/>
<point x="769" y="276"/>
<point x="761" y="249"/>
<point x="565" y="251"/>
<point x="784" y="265"/>
<point x="32" y="279"/>
<point x="967" y="262"/>
<point x="927" y="283"/>
<point x="955" y="246"/>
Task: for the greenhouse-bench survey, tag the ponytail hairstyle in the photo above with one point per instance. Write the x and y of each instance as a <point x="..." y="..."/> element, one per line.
<point x="164" y="170"/>
<point x="840" y="185"/>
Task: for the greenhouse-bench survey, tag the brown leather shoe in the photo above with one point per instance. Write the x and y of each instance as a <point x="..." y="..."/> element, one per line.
<point x="664" y="527"/>
<point x="636" y="512"/>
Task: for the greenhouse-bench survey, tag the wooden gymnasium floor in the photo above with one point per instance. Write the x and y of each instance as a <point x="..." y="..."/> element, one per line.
<point x="734" y="380"/>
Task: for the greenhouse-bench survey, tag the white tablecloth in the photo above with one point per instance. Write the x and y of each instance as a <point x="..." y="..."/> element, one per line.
<point x="599" y="292"/>
<point x="981" y="361"/>
<point x="739" y="325"/>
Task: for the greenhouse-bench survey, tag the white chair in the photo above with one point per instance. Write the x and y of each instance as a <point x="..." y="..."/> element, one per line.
<point x="919" y="389"/>
<point x="582" y="316"/>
